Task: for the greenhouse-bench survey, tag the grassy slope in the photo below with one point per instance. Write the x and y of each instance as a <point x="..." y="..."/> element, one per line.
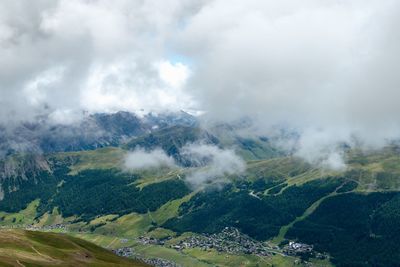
<point x="103" y="158"/>
<point x="290" y="170"/>
<point x="23" y="248"/>
<point x="50" y="218"/>
<point x="150" y="251"/>
<point x="134" y="224"/>
<point x="23" y="217"/>
<point x="113" y="158"/>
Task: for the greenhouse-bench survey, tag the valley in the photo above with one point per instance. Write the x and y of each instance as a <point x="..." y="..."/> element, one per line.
<point x="199" y="133"/>
<point x="155" y="216"/>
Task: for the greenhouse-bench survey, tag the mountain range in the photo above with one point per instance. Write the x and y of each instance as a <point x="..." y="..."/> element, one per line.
<point x="75" y="176"/>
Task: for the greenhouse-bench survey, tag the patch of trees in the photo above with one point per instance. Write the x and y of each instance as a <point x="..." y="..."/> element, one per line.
<point x="97" y="192"/>
<point x="88" y="194"/>
<point x="212" y="210"/>
<point x="355" y="229"/>
<point x="20" y="191"/>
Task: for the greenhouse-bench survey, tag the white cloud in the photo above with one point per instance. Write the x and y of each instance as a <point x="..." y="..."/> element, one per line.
<point x="322" y="148"/>
<point x="65" y="116"/>
<point x="216" y="164"/>
<point x="36" y="89"/>
<point x="175" y="75"/>
<point x="141" y="159"/>
<point x="326" y="67"/>
<point x="109" y="54"/>
<point x="313" y="66"/>
<point x="124" y="85"/>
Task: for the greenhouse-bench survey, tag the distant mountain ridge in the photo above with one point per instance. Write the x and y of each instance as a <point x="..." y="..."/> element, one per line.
<point x="277" y="198"/>
<point x="93" y="131"/>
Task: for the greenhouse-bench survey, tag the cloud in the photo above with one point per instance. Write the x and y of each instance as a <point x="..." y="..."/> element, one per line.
<point x="173" y="74"/>
<point x="127" y="86"/>
<point x="140" y="159"/>
<point x="322" y="149"/>
<point x="91" y="55"/>
<point x="324" y="69"/>
<point x="213" y="164"/>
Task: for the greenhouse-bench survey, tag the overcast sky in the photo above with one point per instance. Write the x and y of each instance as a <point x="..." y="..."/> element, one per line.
<point x="328" y="69"/>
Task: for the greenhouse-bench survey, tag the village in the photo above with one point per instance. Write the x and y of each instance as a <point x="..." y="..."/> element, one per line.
<point x="229" y="240"/>
<point x="156" y="262"/>
<point x="305" y="251"/>
<point x="124" y="252"/>
<point x="145" y="240"/>
<point x="59" y="227"/>
<point x="294" y="248"/>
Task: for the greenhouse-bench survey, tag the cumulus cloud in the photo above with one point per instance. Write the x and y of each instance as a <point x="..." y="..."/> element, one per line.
<point x="214" y="164"/>
<point x="140" y="159"/>
<point x="320" y="148"/>
<point x="91" y="55"/>
<point x="326" y="69"/>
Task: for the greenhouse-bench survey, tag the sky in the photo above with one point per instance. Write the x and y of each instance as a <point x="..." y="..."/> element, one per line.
<point x="326" y="69"/>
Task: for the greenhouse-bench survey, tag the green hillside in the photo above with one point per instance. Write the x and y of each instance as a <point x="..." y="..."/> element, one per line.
<point x="275" y="200"/>
<point x="26" y="248"/>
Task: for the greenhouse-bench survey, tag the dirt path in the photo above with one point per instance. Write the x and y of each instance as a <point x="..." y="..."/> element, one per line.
<point x="254" y="195"/>
<point x="47" y="257"/>
<point x="112" y="242"/>
<point x="20" y="264"/>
